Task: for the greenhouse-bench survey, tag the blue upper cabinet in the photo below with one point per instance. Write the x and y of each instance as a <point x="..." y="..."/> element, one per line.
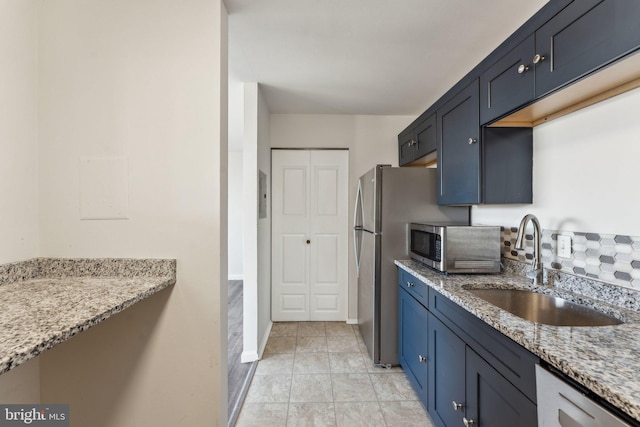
<point x="564" y="43"/>
<point x="426" y="137"/>
<point x="418" y="140"/>
<point x="475" y="165"/>
<point x="585" y="36"/>
<point x="406" y="147"/>
<point x="509" y="83"/>
<point x="459" y="148"/>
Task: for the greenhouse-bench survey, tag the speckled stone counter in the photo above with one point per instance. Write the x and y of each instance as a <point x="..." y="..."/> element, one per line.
<point x="45" y="301"/>
<point x="605" y="359"/>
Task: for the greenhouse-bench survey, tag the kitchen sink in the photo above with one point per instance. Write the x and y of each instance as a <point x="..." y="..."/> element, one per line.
<point x="546" y="309"/>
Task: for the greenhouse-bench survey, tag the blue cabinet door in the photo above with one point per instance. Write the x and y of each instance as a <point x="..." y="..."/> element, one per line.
<point x="491" y="400"/>
<point x="406" y="147"/>
<point x="414" y="286"/>
<point x="509" y="83"/>
<point x="585" y="36"/>
<point x="446" y="375"/>
<point x="417" y="141"/>
<point x="459" y="148"/>
<point x="426" y="141"/>
<point x="413" y="342"/>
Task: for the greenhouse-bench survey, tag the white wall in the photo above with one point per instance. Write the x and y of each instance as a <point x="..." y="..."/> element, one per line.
<point x="235" y="214"/>
<point x="371" y="140"/>
<point x="250" y="224"/>
<point x="257" y="231"/>
<point x="145" y="80"/>
<point x="19" y="162"/>
<point x="584" y="172"/>
<point x="264" y="225"/>
<point x="18" y="130"/>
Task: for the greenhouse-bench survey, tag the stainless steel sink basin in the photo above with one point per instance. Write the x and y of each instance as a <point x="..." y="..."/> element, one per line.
<point x="545" y="309"/>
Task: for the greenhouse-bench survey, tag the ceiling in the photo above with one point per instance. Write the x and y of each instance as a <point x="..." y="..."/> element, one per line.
<point x="383" y="57"/>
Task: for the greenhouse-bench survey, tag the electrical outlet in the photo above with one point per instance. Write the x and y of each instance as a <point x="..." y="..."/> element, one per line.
<point x="564" y="246"/>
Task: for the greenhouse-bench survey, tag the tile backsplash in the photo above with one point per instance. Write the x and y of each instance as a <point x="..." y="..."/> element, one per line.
<point x="607" y="257"/>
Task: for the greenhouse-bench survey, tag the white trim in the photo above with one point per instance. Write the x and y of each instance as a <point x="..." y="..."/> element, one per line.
<point x="236" y="277"/>
<point x="265" y="338"/>
<point x="352" y="321"/>
<point x="249" y="356"/>
<point x="293" y="305"/>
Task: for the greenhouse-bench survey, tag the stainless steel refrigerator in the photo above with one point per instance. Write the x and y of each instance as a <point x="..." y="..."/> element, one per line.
<point x="388" y="199"/>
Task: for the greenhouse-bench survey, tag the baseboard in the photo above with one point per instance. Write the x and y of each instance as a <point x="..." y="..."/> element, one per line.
<point x="352" y="321"/>
<point x="236" y="277"/>
<point x="265" y="338"/>
<point x="235" y="412"/>
<point x="249" y="356"/>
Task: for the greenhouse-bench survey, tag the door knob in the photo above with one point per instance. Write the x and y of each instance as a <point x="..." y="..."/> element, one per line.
<point x="422" y="358"/>
<point x="538" y="58"/>
<point x="472" y="141"/>
<point x="308" y="241"/>
<point x="456" y="405"/>
<point x="522" y="68"/>
<point x="467" y="422"/>
<point x="410" y="284"/>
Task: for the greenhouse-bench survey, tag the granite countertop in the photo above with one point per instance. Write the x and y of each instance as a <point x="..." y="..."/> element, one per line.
<point x="46" y="301"/>
<point x="605" y="359"/>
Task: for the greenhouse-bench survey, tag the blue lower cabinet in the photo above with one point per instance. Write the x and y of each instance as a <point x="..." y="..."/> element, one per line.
<point x="413" y="342"/>
<point x="446" y="375"/>
<point x="461" y="368"/>
<point x="414" y="286"/>
<point x="493" y="401"/>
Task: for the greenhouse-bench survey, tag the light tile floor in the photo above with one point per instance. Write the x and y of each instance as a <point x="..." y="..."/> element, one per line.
<point x="319" y="374"/>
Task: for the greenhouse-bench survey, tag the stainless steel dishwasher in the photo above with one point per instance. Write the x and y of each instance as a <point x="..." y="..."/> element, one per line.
<point x="560" y="404"/>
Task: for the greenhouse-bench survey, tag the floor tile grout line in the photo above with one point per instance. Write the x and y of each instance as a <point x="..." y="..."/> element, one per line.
<point x="362" y="351"/>
<point x="378" y="400"/>
<point x="286" y="420"/>
<point x="335" y="412"/>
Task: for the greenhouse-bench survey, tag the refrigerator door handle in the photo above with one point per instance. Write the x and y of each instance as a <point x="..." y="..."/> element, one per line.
<point x="355" y="249"/>
<point x="357" y="222"/>
<point x="358" y="213"/>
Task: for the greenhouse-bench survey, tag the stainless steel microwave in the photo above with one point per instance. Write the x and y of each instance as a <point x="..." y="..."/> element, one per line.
<point x="456" y="248"/>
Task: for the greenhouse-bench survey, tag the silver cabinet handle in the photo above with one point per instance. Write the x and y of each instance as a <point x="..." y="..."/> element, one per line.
<point x="522" y="68"/>
<point x="538" y="58"/>
<point x="421" y="358"/>
<point x="467" y="422"/>
<point x="456" y="405"/>
<point x="410" y="284"/>
<point x="472" y="141"/>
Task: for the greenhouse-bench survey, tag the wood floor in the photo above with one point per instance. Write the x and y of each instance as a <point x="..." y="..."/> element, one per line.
<point x="239" y="373"/>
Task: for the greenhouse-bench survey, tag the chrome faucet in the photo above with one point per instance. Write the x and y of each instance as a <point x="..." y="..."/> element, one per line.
<point x="536" y="272"/>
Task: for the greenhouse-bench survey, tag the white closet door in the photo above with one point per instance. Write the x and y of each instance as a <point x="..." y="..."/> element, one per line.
<point x="290" y="226"/>
<point x="309" y="234"/>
